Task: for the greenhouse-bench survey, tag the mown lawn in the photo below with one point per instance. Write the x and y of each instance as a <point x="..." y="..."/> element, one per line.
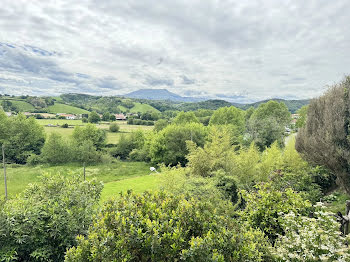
<point x="117" y="177"/>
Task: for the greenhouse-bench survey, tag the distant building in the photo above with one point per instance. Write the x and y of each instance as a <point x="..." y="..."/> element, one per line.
<point x="120" y="117"/>
<point x="8" y="113"/>
<point x="68" y="116"/>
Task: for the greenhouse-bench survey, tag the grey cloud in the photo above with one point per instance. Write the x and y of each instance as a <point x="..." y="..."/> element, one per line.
<point x="187" y="81"/>
<point x="257" y="48"/>
<point x="153" y="81"/>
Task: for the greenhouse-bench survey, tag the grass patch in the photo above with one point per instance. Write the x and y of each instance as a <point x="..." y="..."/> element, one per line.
<point x="62" y="108"/>
<point x="143" y="108"/>
<point x="136" y="184"/>
<point x="18" y="178"/>
<point x="45" y="122"/>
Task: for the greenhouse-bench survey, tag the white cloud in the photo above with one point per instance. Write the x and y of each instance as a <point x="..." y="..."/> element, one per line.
<point x="258" y="49"/>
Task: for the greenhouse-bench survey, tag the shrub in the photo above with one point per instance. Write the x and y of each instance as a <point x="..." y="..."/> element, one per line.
<point x="94" y="117"/>
<point x="56" y="150"/>
<point x="169" y="145"/>
<point x="21" y="136"/>
<point x="114" y="127"/>
<point x="65" y="125"/>
<point x="164" y="227"/>
<point x="324" y="139"/>
<point x="264" y="207"/>
<point x="311" y="239"/>
<point x="41" y="223"/>
<point x="89" y="133"/>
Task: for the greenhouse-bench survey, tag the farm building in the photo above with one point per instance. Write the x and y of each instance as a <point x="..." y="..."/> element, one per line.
<point x="120" y="117"/>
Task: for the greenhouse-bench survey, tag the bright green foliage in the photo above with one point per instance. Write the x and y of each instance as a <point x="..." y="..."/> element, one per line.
<point x="271" y="161"/>
<point x="106" y="116"/>
<point x="56" y="150"/>
<point x="87" y="153"/>
<point x="21" y="136"/>
<point x="164" y="227"/>
<point x="228" y="116"/>
<point x="301" y="121"/>
<point x="248" y="113"/>
<point x="89" y="133"/>
<point x="94" y="117"/>
<point x="279" y="111"/>
<point x="41" y="223"/>
<point x="127" y="144"/>
<point x="311" y="239"/>
<point x="169" y="145"/>
<point x="246" y="166"/>
<point x="178" y="180"/>
<point x="267" y="123"/>
<point x="183" y="118"/>
<point x="217" y="154"/>
<point x="265" y="206"/>
<point x="160" y="125"/>
<point x="114" y="127"/>
<point x="291" y="158"/>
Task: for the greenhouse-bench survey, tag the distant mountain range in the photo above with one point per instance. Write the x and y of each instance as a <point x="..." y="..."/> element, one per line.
<point x="196" y="103"/>
<point x="161" y="94"/>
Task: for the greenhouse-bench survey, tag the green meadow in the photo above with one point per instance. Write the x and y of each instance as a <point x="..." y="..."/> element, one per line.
<point x="117" y="177"/>
<point x="54" y="125"/>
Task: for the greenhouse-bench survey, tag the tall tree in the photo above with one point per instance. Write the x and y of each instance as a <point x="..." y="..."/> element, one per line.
<point x="325" y="139"/>
<point x="94" y="117"/>
<point x="267" y="123"/>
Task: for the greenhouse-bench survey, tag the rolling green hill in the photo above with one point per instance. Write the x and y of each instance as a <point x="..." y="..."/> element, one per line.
<point x="19" y="104"/>
<point x="143" y="108"/>
<point x="293" y="105"/>
<point x="62" y="108"/>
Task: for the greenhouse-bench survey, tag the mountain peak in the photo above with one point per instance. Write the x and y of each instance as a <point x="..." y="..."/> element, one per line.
<point x="160" y="94"/>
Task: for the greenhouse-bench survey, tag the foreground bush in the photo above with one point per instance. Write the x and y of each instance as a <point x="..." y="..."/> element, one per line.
<point x="265" y="206"/>
<point x="311" y="239"/>
<point x="41" y="223"/>
<point x="164" y="227"/>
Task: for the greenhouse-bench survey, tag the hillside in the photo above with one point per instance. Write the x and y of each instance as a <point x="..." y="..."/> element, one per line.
<point x="62" y="108"/>
<point x="143" y="108"/>
<point x="293" y="105"/>
<point x="209" y="104"/>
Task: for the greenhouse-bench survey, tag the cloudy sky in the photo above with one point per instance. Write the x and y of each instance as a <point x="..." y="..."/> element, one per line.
<point x="235" y="50"/>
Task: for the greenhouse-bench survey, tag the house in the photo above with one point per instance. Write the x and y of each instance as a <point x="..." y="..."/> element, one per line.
<point x="68" y="116"/>
<point x="120" y="117"/>
<point x="8" y="114"/>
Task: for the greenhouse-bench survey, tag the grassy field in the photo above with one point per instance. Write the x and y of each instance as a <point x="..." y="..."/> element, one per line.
<point x="112" y="138"/>
<point x="117" y="177"/>
<point x="62" y="108"/>
<point x="143" y="108"/>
